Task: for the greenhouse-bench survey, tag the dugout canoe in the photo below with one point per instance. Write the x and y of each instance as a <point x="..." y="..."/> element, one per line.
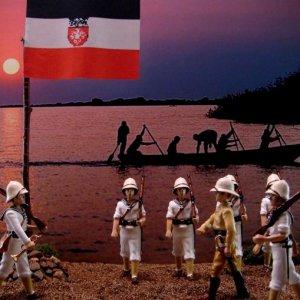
<point x="281" y="155"/>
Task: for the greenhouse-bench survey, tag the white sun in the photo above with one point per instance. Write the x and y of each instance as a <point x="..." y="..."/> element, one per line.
<point x="11" y="66"/>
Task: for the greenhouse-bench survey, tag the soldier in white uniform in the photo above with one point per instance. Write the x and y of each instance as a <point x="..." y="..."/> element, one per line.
<point x="265" y="208"/>
<point x="129" y="217"/>
<point x="181" y="215"/>
<point x="16" y="222"/>
<point x="281" y="245"/>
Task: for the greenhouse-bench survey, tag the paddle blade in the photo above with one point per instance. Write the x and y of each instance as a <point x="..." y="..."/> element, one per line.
<point x="110" y="158"/>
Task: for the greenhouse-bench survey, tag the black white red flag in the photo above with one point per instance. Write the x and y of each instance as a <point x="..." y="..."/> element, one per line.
<point x="67" y="39"/>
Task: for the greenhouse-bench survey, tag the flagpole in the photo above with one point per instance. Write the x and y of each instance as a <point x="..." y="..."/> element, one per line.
<point x="26" y="119"/>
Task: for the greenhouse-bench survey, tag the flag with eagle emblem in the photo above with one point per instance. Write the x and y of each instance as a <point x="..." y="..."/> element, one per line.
<point x="96" y="39"/>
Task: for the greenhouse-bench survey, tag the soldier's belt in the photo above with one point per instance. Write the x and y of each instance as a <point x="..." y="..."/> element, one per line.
<point x="13" y="234"/>
<point x="238" y="218"/>
<point x="182" y="221"/>
<point x="220" y="232"/>
<point x="128" y="222"/>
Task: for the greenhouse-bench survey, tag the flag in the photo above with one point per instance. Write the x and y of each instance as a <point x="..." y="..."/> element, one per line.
<point x="67" y="39"/>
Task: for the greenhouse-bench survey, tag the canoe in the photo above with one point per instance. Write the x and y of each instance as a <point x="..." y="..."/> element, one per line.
<point x="281" y="155"/>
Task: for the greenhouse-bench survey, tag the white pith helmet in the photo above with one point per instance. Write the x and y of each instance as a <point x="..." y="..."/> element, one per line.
<point x="232" y="178"/>
<point x="130" y="183"/>
<point x="224" y="184"/>
<point x="180" y="183"/>
<point x="271" y="179"/>
<point x="280" y="188"/>
<point x="13" y="189"/>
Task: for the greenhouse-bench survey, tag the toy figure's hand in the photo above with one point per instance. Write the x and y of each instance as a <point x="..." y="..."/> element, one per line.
<point x="114" y="234"/>
<point x="196" y="219"/>
<point x="259" y="239"/>
<point x="201" y="230"/>
<point x="169" y="234"/>
<point x="30" y="245"/>
<point x="141" y="222"/>
<point x="227" y="251"/>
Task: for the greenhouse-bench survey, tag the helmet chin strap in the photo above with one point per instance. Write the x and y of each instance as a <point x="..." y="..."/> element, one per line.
<point x="181" y="194"/>
<point x="129" y="193"/>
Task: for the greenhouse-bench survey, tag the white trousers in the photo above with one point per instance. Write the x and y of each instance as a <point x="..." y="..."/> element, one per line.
<point x="281" y="267"/>
<point x="183" y="241"/>
<point x="7" y="263"/>
<point x="130" y="242"/>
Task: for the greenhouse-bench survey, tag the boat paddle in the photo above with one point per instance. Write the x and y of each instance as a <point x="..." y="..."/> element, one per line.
<point x="110" y="158"/>
<point x="154" y="140"/>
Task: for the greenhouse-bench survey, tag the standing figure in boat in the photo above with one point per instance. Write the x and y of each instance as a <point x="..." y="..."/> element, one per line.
<point x="223" y="225"/>
<point x="209" y="139"/>
<point x="129" y="218"/>
<point x="123" y="131"/>
<point x="181" y="216"/>
<point x="267" y="137"/>
<point x="138" y="141"/>
<point x="283" y="268"/>
<point x="172" y="148"/>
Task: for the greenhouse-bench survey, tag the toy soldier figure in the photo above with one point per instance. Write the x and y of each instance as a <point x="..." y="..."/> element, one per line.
<point x="16" y="222"/>
<point x="181" y="216"/>
<point x="222" y="223"/>
<point x="283" y="269"/>
<point x="129" y="217"/>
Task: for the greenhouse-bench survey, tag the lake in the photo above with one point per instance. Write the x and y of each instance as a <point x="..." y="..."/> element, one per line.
<point x="77" y="201"/>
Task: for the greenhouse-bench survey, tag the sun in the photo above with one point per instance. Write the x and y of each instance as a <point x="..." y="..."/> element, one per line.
<point x="11" y="66"/>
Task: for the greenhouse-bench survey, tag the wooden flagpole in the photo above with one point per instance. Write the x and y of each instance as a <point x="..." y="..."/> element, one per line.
<point x="26" y="120"/>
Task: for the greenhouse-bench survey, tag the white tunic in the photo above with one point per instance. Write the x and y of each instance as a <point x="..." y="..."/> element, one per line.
<point x="283" y="271"/>
<point x="13" y="219"/>
<point x="183" y="235"/>
<point x="130" y="236"/>
<point x="265" y="208"/>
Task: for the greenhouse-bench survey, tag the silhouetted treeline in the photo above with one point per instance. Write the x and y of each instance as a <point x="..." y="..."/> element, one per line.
<point x="138" y="101"/>
<point x="277" y="103"/>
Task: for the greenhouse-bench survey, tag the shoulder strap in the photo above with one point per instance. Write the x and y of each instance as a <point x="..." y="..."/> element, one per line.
<point x="129" y="208"/>
<point x="181" y="208"/>
<point x="12" y="208"/>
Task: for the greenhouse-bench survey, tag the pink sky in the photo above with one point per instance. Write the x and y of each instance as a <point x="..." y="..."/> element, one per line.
<point x="189" y="49"/>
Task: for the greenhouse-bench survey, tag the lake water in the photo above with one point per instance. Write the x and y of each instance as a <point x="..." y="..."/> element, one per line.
<point x="78" y="201"/>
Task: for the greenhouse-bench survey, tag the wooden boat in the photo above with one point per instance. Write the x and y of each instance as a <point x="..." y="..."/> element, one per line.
<point x="280" y="155"/>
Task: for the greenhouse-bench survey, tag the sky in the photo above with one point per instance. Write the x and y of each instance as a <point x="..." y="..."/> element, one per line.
<point x="190" y="49"/>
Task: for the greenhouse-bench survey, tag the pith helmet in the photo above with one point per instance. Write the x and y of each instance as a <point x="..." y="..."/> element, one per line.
<point x="130" y="183"/>
<point x="280" y="188"/>
<point x="13" y="189"/>
<point x="271" y="179"/>
<point x="232" y="178"/>
<point x="180" y="183"/>
<point x="224" y="184"/>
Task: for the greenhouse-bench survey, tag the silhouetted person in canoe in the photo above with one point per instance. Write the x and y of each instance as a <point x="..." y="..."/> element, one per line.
<point x="123" y="131"/>
<point x="138" y="141"/>
<point x="172" y="148"/>
<point x="225" y="141"/>
<point x="267" y="138"/>
<point x="208" y="137"/>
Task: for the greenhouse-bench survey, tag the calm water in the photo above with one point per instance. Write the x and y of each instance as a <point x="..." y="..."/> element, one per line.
<point x="78" y="201"/>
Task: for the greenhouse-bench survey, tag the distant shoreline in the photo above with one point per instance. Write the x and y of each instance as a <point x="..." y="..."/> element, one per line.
<point x="139" y="101"/>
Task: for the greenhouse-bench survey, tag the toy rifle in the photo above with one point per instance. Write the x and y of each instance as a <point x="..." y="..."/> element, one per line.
<point x="240" y="192"/>
<point x="142" y="187"/>
<point x="192" y="196"/>
<point x="38" y="222"/>
<point x="276" y="213"/>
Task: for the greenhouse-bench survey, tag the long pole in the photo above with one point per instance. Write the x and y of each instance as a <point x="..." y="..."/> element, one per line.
<point x="26" y="118"/>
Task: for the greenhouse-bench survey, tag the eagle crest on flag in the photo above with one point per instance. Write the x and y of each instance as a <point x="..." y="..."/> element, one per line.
<point x="78" y="31"/>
